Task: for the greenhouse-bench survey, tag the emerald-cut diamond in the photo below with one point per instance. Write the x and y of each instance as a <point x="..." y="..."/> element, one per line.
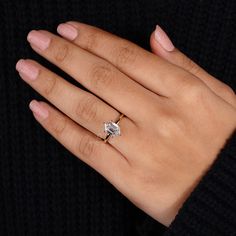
<point x="111" y="128"/>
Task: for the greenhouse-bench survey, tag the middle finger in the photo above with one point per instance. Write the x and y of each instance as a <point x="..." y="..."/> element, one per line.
<point x="96" y="74"/>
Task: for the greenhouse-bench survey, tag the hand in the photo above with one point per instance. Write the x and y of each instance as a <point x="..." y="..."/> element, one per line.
<point x="174" y="126"/>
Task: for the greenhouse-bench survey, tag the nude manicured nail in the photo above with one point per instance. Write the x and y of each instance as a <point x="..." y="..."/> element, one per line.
<point x="162" y="38"/>
<point x="27" y="70"/>
<point x="37" y="108"/>
<point x="39" y="39"/>
<point x="68" y="31"/>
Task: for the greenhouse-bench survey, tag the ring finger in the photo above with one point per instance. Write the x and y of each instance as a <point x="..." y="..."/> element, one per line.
<point x="81" y="106"/>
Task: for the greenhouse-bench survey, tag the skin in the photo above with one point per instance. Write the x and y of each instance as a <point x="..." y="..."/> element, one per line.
<point x="177" y="116"/>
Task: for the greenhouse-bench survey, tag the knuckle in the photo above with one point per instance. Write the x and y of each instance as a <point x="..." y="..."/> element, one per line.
<point x="185" y="82"/>
<point x="62" y="53"/>
<point x="58" y="125"/>
<point x="87" y="109"/>
<point x="195" y="93"/>
<point x="125" y="54"/>
<point x="87" y="146"/>
<point x="50" y="85"/>
<point x="190" y="88"/>
<point x="101" y="75"/>
<point x="227" y="90"/>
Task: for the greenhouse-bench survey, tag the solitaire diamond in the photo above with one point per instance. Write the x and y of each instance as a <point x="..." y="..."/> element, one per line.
<point x="112" y="128"/>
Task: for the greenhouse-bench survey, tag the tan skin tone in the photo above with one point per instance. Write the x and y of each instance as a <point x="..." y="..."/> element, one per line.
<point x="177" y="117"/>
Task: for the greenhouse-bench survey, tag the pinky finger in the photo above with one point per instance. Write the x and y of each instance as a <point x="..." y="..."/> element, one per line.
<point x="86" y="146"/>
<point x="162" y="46"/>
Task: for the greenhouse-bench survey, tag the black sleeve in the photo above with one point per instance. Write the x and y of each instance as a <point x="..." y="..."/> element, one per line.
<point x="210" y="209"/>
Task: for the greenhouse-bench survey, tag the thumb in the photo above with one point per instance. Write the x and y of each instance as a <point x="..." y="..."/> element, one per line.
<point x="162" y="46"/>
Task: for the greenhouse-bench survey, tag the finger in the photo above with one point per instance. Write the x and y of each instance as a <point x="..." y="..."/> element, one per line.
<point x="97" y="75"/>
<point x="162" y="46"/>
<point x="83" y="144"/>
<point x="140" y="65"/>
<point x="81" y="106"/>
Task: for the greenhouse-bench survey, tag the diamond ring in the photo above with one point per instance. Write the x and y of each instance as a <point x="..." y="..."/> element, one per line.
<point x="112" y="128"/>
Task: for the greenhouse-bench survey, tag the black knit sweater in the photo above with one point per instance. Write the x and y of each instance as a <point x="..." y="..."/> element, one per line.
<point x="44" y="189"/>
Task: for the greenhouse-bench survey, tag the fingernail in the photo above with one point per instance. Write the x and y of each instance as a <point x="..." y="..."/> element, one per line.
<point x="162" y="38"/>
<point x="38" y="109"/>
<point x="27" y="70"/>
<point x="67" y="30"/>
<point x="39" y="39"/>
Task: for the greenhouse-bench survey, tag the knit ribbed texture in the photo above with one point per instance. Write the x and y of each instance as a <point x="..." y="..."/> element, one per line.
<point x="45" y="190"/>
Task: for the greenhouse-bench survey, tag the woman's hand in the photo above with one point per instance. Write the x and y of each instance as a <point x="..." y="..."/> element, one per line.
<point x="174" y="126"/>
